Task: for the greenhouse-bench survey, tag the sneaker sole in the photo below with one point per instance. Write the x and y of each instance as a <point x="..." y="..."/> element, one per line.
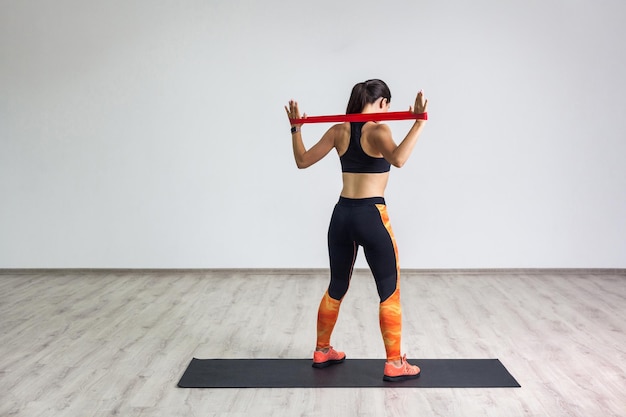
<point x="401" y="377"/>
<point x="328" y="363"/>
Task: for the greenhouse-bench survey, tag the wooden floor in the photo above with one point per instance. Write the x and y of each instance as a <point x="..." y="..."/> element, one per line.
<point x="116" y="344"/>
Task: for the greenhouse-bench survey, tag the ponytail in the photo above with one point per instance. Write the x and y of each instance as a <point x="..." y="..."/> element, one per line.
<point x="365" y="93"/>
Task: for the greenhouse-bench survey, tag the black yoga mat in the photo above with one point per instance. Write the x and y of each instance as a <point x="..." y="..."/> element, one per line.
<point x="353" y="373"/>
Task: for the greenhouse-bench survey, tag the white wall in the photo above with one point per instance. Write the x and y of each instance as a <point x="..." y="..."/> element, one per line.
<point x="152" y="134"/>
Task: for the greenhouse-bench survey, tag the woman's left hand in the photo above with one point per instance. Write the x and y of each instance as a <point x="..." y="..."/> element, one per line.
<point x="293" y="112"/>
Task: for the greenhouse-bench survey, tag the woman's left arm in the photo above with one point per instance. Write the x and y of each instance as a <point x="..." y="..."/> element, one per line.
<point x="305" y="158"/>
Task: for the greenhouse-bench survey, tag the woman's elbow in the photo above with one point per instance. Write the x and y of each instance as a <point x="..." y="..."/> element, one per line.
<point x="302" y="164"/>
<point x="397" y="162"/>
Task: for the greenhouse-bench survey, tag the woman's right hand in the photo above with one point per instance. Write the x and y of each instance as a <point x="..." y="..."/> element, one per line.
<point x="421" y="104"/>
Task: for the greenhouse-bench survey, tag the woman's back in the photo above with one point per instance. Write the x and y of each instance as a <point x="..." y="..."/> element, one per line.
<point x="365" y="171"/>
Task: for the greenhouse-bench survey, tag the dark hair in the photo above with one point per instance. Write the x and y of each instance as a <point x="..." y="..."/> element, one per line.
<point x="367" y="92"/>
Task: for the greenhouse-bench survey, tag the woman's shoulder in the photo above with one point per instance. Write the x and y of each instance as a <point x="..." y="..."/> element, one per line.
<point x="340" y="129"/>
<point x="378" y="129"/>
<point x="341" y="126"/>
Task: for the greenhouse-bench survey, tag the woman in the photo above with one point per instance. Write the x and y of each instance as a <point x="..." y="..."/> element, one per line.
<point x="366" y="151"/>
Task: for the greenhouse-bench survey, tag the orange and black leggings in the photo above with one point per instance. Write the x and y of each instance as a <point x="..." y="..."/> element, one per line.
<point x="363" y="222"/>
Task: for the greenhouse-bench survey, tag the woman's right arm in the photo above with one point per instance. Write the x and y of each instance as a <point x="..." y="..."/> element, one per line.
<point x="397" y="155"/>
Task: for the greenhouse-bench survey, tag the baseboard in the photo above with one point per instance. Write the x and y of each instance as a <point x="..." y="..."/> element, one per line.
<point x="317" y="271"/>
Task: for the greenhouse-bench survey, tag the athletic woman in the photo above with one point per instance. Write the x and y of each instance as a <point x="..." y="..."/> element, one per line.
<point x="366" y="151"/>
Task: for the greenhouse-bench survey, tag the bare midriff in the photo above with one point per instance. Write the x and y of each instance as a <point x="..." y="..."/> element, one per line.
<point x="364" y="185"/>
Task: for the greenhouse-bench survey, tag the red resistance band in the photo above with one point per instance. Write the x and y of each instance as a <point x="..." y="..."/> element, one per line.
<point x="361" y="117"/>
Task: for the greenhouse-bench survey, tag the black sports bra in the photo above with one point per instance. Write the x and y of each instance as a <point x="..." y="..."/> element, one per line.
<point x="356" y="160"/>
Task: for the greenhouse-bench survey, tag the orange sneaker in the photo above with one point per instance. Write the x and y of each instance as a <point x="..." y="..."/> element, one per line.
<point x="332" y="357"/>
<point x="404" y="372"/>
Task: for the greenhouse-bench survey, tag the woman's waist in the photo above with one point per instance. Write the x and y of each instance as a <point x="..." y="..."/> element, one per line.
<point x="358" y="202"/>
<point x="358" y="186"/>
